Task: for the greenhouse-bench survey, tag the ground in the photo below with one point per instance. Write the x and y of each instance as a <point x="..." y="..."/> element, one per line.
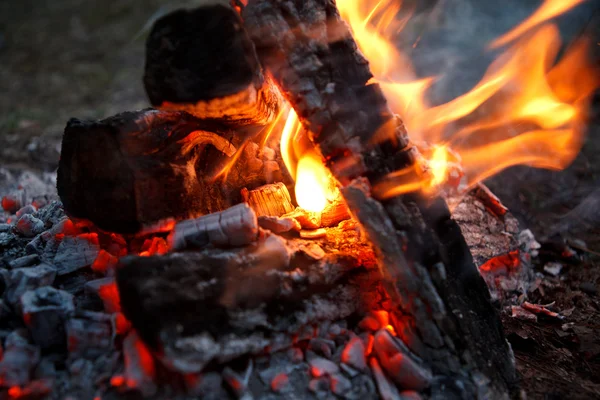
<point x="75" y="58"/>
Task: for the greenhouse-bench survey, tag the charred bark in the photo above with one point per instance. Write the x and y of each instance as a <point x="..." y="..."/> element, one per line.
<point x="443" y="309"/>
<point x="202" y="61"/>
<point x="137" y="168"/>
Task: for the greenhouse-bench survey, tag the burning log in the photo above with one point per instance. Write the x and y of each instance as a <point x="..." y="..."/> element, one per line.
<point x="219" y="304"/>
<point x="234" y="227"/>
<point x="269" y="200"/>
<point x="202" y="61"/>
<point x="137" y="168"/>
<point x="443" y="309"/>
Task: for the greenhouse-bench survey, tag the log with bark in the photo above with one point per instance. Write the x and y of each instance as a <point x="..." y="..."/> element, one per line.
<point x="443" y="310"/>
<point x="137" y="168"/>
<point x="202" y="61"/>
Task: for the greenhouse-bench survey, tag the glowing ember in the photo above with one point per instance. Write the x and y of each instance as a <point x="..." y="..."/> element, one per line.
<point x="534" y="106"/>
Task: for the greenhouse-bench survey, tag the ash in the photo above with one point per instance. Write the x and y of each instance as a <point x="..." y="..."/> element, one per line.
<point x="322" y="331"/>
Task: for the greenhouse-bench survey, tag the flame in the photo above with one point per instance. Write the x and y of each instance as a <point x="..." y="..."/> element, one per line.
<point x="547" y="11"/>
<point x="527" y="109"/>
<point x="312" y="181"/>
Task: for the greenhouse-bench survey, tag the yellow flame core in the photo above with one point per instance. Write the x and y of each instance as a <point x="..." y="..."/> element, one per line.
<point x="527" y="108"/>
<point x="312" y="182"/>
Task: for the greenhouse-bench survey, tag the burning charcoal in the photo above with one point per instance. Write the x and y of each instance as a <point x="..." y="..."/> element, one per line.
<point x="23" y="279"/>
<point x="307" y="219"/>
<point x="490" y="200"/>
<point x="271" y="200"/>
<point x="29" y="226"/>
<point x="25" y="261"/>
<point x="74" y="253"/>
<point x="321" y="366"/>
<point x="387" y="390"/>
<point x="106" y="290"/>
<point x="45" y="311"/>
<point x="410" y="395"/>
<point x="140" y="370"/>
<point x="234" y="227"/>
<point x="206" y="386"/>
<point x="279" y="225"/>
<point x="335" y="212"/>
<point x="5" y="227"/>
<point x="349" y="371"/>
<point x="33" y="390"/>
<point x="539" y="309"/>
<point x="521" y="313"/>
<point x="18" y="361"/>
<point x="12" y="202"/>
<point x="238" y="383"/>
<point x="401" y="368"/>
<point x="323" y="347"/>
<point x="51" y="214"/>
<point x="313" y="234"/>
<point x="279" y="382"/>
<point x="28" y="209"/>
<point x="354" y="354"/>
<point x="318" y="385"/>
<point x="340" y="385"/>
<point x="89" y="335"/>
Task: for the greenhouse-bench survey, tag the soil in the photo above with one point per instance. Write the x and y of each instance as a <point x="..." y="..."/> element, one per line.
<point x="75" y="58"/>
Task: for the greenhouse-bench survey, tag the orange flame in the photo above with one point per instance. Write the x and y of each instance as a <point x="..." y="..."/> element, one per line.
<point x="527" y="109"/>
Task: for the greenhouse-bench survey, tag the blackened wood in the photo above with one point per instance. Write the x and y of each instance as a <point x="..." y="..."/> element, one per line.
<point x="443" y="309"/>
<point x="235" y="227"/>
<point x="216" y="304"/>
<point x="202" y="61"/>
<point x="137" y="168"/>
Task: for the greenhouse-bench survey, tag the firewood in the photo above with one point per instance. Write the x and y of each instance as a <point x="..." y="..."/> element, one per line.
<point x="137" y="168"/>
<point x="237" y="226"/>
<point x="335" y="212"/>
<point x="272" y="200"/>
<point x="193" y="308"/>
<point x="203" y="62"/>
<point x="443" y="309"/>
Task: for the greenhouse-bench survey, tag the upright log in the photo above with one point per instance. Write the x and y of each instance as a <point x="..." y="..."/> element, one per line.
<point x="443" y="309"/>
<point x="202" y="61"/>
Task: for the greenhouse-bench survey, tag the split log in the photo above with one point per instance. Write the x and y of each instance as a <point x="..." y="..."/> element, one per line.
<point x="203" y="62"/>
<point x="218" y="304"/>
<point x="443" y="309"/>
<point x="271" y="200"/>
<point x="137" y="168"/>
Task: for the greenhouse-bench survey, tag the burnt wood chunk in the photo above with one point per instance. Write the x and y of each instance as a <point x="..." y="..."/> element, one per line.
<point x="217" y="304"/>
<point x="271" y="200"/>
<point x="137" y="168"/>
<point x="443" y="309"/>
<point x="202" y="61"/>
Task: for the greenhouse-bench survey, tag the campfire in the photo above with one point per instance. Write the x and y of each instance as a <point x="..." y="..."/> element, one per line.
<point x="292" y="218"/>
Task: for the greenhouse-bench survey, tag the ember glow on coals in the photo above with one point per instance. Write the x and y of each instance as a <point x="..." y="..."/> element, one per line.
<point x="528" y="109"/>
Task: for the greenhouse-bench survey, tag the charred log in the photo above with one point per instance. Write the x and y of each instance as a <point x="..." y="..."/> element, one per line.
<point x="218" y="304"/>
<point x="202" y="61"/>
<point x="443" y="309"/>
<point x="137" y="168"/>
